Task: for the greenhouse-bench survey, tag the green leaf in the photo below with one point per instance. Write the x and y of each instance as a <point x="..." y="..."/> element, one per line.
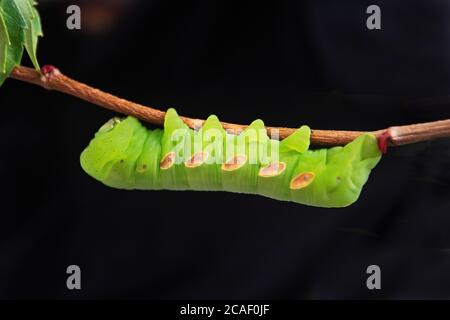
<point x="33" y="28"/>
<point x="12" y="37"/>
<point x="20" y="27"/>
<point x="4" y="43"/>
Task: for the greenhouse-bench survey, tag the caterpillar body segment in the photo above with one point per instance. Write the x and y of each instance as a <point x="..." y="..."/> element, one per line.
<point x="207" y="151"/>
<point x="126" y="155"/>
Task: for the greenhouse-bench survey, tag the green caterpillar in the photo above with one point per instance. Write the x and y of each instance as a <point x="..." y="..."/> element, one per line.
<point x="126" y="155"/>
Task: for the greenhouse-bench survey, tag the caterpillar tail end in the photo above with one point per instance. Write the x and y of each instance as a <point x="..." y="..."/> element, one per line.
<point x="365" y="154"/>
<point x="340" y="182"/>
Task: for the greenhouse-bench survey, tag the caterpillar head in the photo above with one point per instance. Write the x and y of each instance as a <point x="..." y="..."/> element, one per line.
<point x="112" y="154"/>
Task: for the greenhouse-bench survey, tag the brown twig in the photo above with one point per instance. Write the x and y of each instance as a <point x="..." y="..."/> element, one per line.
<point x="52" y="79"/>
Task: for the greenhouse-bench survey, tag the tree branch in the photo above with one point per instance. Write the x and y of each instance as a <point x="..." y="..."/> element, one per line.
<point x="52" y="79"/>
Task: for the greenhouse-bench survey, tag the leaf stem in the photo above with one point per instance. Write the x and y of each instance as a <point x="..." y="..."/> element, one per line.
<point x="52" y="79"/>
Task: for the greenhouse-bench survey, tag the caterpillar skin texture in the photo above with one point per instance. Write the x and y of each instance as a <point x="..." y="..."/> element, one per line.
<point x="126" y="155"/>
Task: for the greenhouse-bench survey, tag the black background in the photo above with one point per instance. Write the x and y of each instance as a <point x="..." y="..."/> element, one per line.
<point x="289" y="63"/>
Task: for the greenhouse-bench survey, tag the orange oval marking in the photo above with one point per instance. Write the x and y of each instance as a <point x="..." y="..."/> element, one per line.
<point x="196" y="160"/>
<point x="234" y="163"/>
<point x="302" y="180"/>
<point x="167" y="161"/>
<point x="272" y="170"/>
